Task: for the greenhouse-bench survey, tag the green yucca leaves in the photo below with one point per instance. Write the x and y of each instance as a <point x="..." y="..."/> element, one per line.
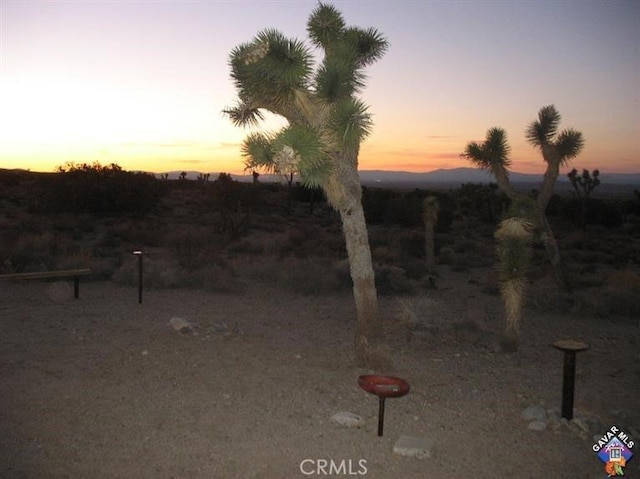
<point x="350" y="123"/>
<point x="270" y="66"/>
<point x="542" y="131"/>
<point x="492" y="153"/>
<point x="367" y="46"/>
<point x="569" y="144"/>
<point x="257" y="149"/>
<point x="275" y="73"/>
<point x="514" y="257"/>
<point x="337" y="79"/>
<point x="244" y="115"/>
<point x="325" y="26"/>
<point x="311" y="161"/>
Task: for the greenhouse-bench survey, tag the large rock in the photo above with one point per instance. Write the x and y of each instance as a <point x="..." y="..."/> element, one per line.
<point x="411" y="446"/>
<point x="347" y="419"/>
<point x="534" y="413"/>
<point x="181" y="325"/>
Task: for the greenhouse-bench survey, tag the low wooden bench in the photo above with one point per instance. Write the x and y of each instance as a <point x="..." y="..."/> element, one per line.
<point x="66" y="273"/>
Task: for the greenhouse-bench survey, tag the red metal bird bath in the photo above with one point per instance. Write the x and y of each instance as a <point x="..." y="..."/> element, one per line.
<point x="384" y="387"/>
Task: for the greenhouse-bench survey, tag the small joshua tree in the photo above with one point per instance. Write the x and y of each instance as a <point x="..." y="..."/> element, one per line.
<point x="430" y="209"/>
<point x="514" y="237"/>
<point x="583" y="186"/>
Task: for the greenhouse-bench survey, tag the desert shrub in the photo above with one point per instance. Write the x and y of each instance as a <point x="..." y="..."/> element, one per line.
<point x="234" y="202"/>
<point x="374" y="203"/>
<point x="76" y="223"/>
<point x="414" y="269"/>
<point x="481" y="201"/>
<point x="192" y="246"/>
<point x="109" y="239"/>
<point x="447" y="256"/>
<point x="304" y="194"/>
<point x="248" y="245"/>
<point x="411" y="243"/>
<point x="378" y="236"/>
<point x="296" y="236"/>
<point x="101" y="190"/>
<point x="139" y="233"/>
<point x="30" y="223"/>
<point x="157" y="273"/>
<point x="393" y="280"/>
<point x="466" y="245"/>
<point x="215" y="278"/>
<point x="334" y="245"/>
<point x="24" y="252"/>
<point x="544" y="295"/>
<point x="608" y="213"/>
<point x="489" y="284"/>
<point x="258" y="269"/>
<point x="311" y="276"/>
<point x="605" y="213"/>
<point x="385" y="254"/>
<point x="387" y="207"/>
<point x="462" y="262"/>
<point x="404" y="211"/>
<point x="618" y="297"/>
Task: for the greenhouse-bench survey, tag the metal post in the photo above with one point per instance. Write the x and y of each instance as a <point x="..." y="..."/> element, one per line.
<point x="139" y="254"/>
<point x="381" y="416"/>
<point x="76" y="286"/>
<point x="570" y="348"/>
<point x="568" y="383"/>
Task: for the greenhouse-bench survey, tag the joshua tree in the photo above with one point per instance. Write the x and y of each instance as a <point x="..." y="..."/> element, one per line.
<point x="326" y="124"/>
<point x="430" y="209"/>
<point x="584" y="185"/>
<point x="514" y="237"/>
<point x="557" y="149"/>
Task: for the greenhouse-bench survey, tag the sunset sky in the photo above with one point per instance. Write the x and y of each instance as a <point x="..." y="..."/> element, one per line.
<point x="143" y="83"/>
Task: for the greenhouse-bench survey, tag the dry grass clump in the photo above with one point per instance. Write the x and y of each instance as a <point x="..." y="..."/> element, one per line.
<point x="140" y="233"/>
<point x="216" y="278"/>
<point x="161" y="273"/>
<point x="157" y="273"/>
<point x="193" y="246"/>
<point x="545" y="295"/>
<point x="618" y="296"/>
<point x="312" y="275"/>
<point x="23" y="251"/>
<point x="252" y="245"/>
<point x="393" y="280"/>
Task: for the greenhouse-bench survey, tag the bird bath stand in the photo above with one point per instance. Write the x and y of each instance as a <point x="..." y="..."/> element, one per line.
<point x="570" y="348"/>
<point x="384" y="387"/>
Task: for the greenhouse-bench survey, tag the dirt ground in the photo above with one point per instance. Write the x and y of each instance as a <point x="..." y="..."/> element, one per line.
<point x="103" y="387"/>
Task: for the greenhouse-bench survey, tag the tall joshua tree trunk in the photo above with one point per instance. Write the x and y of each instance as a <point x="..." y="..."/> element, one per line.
<point x="368" y="331"/>
<point x="344" y="192"/>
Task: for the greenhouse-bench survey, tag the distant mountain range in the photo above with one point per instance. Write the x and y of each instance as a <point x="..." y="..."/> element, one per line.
<point x="455" y="176"/>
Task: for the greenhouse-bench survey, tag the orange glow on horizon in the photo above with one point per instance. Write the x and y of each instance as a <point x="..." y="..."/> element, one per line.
<point x="226" y="157"/>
